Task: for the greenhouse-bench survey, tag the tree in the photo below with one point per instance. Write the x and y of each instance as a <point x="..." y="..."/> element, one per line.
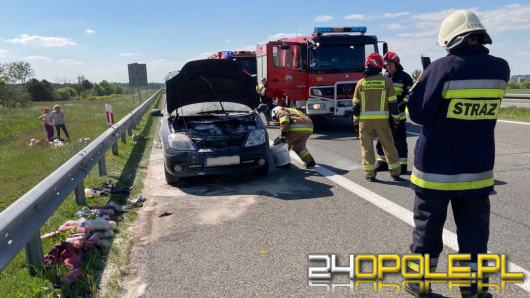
<point x="40" y="90"/>
<point x="106" y="86"/>
<point x="416" y="74"/>
<point x="99" y="90"/>
<point x="20" y="71"/>
<point x="87" y="85"/>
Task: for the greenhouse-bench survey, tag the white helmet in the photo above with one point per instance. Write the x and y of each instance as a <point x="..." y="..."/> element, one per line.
<point x="458" y="25"/>
<point x="274" y="112"/>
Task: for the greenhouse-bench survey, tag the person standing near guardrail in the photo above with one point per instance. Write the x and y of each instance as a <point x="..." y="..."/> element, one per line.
<point x="457" y="100"/>
<point x="57" y="118"/>
<point x="48" y="125"/>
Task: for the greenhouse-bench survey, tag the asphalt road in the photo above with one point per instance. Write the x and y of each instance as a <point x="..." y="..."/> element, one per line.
<point x="243" y="236"/>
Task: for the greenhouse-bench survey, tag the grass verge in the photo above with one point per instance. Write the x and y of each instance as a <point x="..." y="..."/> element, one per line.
<point x="518" y="91"/>
<point x="515" y="113"/>
<point x="124" y="169"/>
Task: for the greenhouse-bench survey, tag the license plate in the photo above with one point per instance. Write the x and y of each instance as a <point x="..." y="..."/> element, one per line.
<point x="222" y="161"/>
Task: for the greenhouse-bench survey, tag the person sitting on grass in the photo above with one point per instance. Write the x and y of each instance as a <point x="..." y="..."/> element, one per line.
<point x="48" y="125"/>
<point x="57" y="118"/>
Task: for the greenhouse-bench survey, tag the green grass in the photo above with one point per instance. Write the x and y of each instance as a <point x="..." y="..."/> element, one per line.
<point x="518" y="91"/>
<point x="515" y="113"/>
<point x="83" y="119"/>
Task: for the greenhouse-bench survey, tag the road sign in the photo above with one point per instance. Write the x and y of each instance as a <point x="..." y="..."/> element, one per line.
<point x="109" y="114"/>
<point x="137" y="75"/>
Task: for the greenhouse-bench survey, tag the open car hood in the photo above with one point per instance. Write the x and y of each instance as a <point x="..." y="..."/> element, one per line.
<point x="211" y="80"/>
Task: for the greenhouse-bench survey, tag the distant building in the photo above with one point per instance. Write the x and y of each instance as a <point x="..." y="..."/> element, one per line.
<point x="520" y="78"/>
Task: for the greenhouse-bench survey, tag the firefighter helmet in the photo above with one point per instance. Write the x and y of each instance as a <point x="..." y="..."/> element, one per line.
<point x="274" y="112"/>
<point x="459" y="25"/>
<point x="374" y="60"/>
<point x="391" y="56"/>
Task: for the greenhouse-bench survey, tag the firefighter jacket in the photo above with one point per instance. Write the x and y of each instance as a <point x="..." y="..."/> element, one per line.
<point x="374" y="99"/>
<point x="457" y="100"/>
<point x="402" y="83"/>
<point x="293" y="120"/>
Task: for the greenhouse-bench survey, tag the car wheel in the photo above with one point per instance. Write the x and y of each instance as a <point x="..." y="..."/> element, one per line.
<point x="264" y="170"/>
<point x="170" y="178"/>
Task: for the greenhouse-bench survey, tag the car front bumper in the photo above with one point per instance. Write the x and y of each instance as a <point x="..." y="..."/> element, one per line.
<point x="193" y="163"/>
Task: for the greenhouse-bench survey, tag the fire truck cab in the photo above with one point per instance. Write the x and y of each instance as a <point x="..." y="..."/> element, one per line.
<point x="245" y="59"/>
<point x="316" y="73"/>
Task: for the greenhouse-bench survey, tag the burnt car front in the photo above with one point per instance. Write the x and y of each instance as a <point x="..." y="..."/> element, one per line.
<point x="211" y="124"/>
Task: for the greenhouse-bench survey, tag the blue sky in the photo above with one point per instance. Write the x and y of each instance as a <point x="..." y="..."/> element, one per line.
<point x="65" y="38"/>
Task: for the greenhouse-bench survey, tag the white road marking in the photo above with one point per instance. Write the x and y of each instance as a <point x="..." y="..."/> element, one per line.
<point x="449" y="238"/>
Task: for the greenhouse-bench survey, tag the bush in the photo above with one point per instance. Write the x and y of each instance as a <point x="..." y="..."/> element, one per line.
<point x="65" y="93"/>
<point x="39" y="90"/>
<point x="12" y="96"/>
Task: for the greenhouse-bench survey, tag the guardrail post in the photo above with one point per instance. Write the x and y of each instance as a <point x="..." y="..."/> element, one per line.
<point x="129" y="130"/>
<point x="80" y="198"/>
<point x="115" y="148"/>
<point x="124" y="138"/>
<point x="34" y="254"/>
<point x="101" y="167"/>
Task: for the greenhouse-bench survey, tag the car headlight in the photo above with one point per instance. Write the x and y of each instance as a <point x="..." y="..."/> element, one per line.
<point x="317" y="92"/>
<point x="182" y="142"/>
<point x="255" y="137"/>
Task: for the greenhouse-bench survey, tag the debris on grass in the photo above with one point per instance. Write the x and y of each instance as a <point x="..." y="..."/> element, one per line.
<point x="165" y="213"/>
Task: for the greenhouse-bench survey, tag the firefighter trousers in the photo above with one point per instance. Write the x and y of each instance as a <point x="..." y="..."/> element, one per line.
<point x="399" y="134"/>
<point x="297" y="142"/>
<point x="369" y="130"/>
<point x="472" y="218"/>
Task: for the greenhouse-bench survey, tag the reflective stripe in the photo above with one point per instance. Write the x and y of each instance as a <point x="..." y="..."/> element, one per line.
<point x="398" y="90"/>
<point x="369" y="167"/>
<point x="392" y="98"/>
<point x="295" y="111"/>
<point x="474" y="89"/>
<point x="395" y="116"/>
<point x="403" y="161"/>
<point x="399" y="85"/>
<point x="452" y="182"/>
<point x="402" y="116"/>
<point x="383" y="99"/>
<point x="304" y="153"/>
<point x="363" y="101"/>
<point x="301" y="129"/>
<point x="356" y="100"/>
<point x="373" y="115"/>
<point x="285" y="119"/>
<point x="394" y="165"/>
<point x="453" y="178"/>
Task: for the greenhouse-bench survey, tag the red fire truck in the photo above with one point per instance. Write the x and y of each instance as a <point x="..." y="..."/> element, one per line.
<point x="246" y="59"/>
<point x="316" y="73"/>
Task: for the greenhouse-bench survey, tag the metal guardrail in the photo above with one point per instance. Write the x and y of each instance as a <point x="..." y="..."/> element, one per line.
<point x="20" y="223"/>
<point x="517" y="96"/>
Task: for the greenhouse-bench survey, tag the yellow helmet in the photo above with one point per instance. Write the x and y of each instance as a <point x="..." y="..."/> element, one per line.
<point x="457" y="26"/>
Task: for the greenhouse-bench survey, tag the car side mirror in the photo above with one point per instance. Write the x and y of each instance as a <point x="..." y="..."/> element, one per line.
<point x="156" y="113"/>
<point x="262" y="108"/>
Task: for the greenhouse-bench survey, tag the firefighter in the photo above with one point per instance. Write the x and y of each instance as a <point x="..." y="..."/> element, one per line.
<point x="261" y="89"/>
<point x="295" y="128"/>
<point x="402" y="83"/>
<point x="457" y="100"/>
<point x="373" y="98"/>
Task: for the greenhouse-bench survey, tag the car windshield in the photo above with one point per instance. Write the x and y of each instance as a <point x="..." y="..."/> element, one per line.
<point x="336" y="59"/>
<point x="212" y="107"/>
<point x="248" y="64"/>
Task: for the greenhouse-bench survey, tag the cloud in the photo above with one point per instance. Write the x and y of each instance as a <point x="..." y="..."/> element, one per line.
<point x="38" y="59"/>
<point x="128" y="54"/>
<point x="278" y="36"/>
<point x="395" y="27"/>
<point x="3" y="53"/>
<point x="89" y="32"/>
<point x="355" y="17"/>
<point x="68" y="62"/>
<point x="513" y="17"/>
<point x="42" y="41"/>
<point x="396" y="14"/>
<point x="323" y="19"/>
<point x="228" y="40"/>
